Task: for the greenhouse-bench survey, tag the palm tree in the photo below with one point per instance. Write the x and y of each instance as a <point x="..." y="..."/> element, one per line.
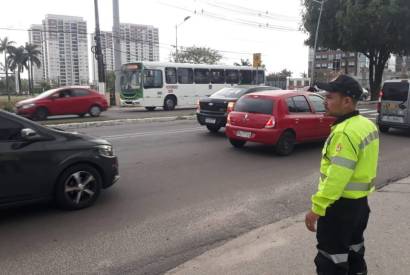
<point x="6" y="47"/>
<point x="32" y="55"/>
<point x="18" y="60"/>
<point x="244" y="62"/>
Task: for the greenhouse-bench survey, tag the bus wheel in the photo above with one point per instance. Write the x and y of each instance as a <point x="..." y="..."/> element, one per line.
<point x="170" y="103"/>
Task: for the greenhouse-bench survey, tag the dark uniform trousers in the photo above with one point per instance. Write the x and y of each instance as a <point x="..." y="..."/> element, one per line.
<point x="340" y="238"/>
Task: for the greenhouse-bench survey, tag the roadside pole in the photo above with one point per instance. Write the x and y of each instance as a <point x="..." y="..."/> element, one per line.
<point x="98" y="53"/>
<point x="117" y="53"/>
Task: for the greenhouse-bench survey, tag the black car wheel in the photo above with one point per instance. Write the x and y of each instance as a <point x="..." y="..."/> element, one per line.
<point x="286" y="143"/>
<point x="384" y="129"/>
<point x="78" y="187"/>
<point x="169" y="103"/>
<point x="150" y="108"/>
<point x="41" y="113"/>
<point x="237" y="143"/>
<point x="213" y="128"/>
<point x="95" y="111"/>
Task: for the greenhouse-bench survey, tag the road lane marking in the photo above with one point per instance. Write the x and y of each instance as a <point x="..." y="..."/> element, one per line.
<point x="160" y="133"/>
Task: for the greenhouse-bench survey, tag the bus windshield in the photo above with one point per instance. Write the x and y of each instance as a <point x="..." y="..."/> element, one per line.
<point x="130" y="80"/>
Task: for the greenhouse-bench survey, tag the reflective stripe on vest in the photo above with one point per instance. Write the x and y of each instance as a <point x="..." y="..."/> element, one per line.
<point x="336" y="258"/>
<point x="359" y="186"/>
<point x="354" y="186"/>
<point x="367" y="140"/>
<point x="344" y="162"/>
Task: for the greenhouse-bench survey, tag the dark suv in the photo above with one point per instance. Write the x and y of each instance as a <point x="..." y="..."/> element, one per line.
<point x="212" y="111"/>
<point x="39" y="163"/>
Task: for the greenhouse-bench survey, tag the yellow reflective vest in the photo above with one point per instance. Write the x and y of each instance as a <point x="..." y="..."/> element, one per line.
<point x="349" y="163"/>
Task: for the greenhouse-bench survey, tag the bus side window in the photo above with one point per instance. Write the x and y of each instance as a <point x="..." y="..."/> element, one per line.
<point x="153" y="79"/>
<point x="171" y="75"/>
<point x="217" y="76"/>
<point x="185" y="76"/>
<point x="232" y="76"/>
<point x="245" y="76"/>
<point x="201" y="76"/>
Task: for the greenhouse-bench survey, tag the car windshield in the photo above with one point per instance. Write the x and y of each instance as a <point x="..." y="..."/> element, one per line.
<point x="395" y="91"/>
<point x="229" y="93"/>
<point x="46" y="94"/>
<point x="254" y="105"/>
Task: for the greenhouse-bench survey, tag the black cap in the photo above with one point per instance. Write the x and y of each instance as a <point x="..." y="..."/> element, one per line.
<point x="343" y="84"/>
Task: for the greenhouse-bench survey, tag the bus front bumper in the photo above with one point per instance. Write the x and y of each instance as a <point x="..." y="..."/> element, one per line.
<point x="130" y="102"/>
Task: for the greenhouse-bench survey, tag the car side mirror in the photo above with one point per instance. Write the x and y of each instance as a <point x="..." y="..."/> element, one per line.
<point x="29" y="134"/>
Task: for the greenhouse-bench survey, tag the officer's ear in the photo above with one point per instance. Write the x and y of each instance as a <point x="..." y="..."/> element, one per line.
<point x="347" y="100"/>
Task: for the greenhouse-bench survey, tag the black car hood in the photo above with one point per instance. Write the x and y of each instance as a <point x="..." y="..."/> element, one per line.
<point x="80" y="136"/>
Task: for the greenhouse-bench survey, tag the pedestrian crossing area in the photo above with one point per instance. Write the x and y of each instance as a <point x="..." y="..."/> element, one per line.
<point x="369" y="113"/>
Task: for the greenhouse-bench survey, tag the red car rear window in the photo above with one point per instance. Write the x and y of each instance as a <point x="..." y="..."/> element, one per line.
<point x="255" y="105"/>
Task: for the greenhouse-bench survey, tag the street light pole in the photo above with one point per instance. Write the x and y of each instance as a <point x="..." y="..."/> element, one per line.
<point x="312" y="77"/>
<point x="176" y="37"/>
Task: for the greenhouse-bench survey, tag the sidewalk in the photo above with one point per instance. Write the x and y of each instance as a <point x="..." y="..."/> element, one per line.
<point x="287" y="247"/>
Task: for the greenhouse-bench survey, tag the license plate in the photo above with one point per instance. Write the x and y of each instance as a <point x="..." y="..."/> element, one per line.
<point x="393" y="119"/>
<point x="390" y="106"/>
<point x="210" y="120"/>
<point x="243" y="134"/>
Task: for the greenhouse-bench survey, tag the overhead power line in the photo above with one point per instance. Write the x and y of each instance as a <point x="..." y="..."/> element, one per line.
<point x="251" y="12"/>
<point x="221" y="17"/>
<point x="139" y="41"/>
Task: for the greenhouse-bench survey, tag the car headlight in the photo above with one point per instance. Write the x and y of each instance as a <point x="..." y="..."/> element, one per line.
<point x="106" y="150"/>
<point x="27" y="106"/>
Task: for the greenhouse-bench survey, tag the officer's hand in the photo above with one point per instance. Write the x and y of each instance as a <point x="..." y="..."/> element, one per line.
<point x="310" y="221"/>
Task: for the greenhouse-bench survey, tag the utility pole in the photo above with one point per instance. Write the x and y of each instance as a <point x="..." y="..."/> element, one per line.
<point x="98" y="52"/>
<point x="117" y="53"/>
<point x="312" y="77"/>
<point x="176" y="37"/>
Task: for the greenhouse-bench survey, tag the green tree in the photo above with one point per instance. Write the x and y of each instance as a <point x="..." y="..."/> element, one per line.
<point x="17" y="61"/>
<point x="244" y="62"/>
<point x="110" y="81"/>
<point x="32" y="54"/>
<point x="197" y="55"/>
<point x="6" y="47"/>
<point x="375" y="28"/>
<point x="282" y="75"/>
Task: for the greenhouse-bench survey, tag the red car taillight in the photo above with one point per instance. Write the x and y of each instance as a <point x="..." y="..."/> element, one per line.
<point x="379" y="104"/>
<point x="271" y="123"/>
<point x="230" y="107"/>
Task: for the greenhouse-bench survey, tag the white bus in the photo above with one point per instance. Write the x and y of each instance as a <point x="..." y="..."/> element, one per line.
<point x="154" y="84"/>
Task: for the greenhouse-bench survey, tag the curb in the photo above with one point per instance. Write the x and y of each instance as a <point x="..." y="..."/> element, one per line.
<point x="78" y="125"/>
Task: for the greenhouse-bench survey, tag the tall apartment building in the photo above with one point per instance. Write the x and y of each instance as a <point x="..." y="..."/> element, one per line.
<point x="35" y="37"/>
<point x="64" y="50"/>
<point x="137" y="43"/>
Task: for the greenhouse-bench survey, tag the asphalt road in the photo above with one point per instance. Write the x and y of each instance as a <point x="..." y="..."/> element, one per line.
<point x="182" y="191"/>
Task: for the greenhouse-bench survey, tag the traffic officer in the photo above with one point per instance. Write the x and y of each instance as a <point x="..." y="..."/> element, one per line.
<point x="348" y="168"/>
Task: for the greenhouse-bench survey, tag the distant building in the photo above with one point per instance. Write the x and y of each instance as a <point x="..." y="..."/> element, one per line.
<point x="35" y="37"/>
<point x="329" y="63"/>
<point x="64" y="49"/>
<point x="137" y="43"/>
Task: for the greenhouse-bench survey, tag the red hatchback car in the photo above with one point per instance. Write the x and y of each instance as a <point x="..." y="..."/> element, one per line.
<point x="63" y="101"/>
<point x="280" y="118"/>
